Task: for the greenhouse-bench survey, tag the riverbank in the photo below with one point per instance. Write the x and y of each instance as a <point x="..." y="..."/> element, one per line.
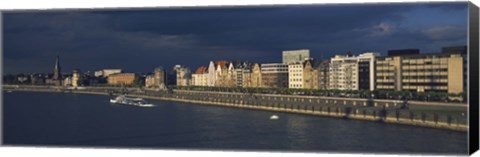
<point x="357" y="109"/>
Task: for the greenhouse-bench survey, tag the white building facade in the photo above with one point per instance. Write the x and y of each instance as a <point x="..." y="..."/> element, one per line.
<point x="344" y="71"/>
<point x="295" y="75"/>
<point x="200" y="79"/>
<point x="211" y="74"/>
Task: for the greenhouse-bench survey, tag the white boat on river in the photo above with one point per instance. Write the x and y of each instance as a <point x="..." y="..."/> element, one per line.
<point x="122" y="99"/>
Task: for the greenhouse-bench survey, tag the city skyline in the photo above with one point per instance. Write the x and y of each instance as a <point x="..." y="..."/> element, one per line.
<point x="140" y="40"/>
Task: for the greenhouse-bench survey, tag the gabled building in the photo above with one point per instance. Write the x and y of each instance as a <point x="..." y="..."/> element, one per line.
<point x="200" y="77"/>
<point x="221" y="73"/>
<point x="256" y="76"/>
<point x="231" y="79"/>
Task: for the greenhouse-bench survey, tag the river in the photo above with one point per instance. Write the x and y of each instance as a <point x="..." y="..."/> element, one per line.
<point x="81" y="120"/>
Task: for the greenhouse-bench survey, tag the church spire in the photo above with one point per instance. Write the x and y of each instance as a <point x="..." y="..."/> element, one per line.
<point x="56" y="72"/>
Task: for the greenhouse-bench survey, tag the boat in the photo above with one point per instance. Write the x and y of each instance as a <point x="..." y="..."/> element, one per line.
<point x="122" y="99"/>
<point x="274" y="117"/>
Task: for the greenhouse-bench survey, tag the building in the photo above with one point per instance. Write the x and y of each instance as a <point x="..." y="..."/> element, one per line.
<point x="256" y="76"/>
<point x="75" y="78"/>
<point x="183" y="75"/>
<point x="353" y="72"/>
<point x="221" y="73"/>
<point x="213" y="72"/>
<point x="310" y="75"/>
<point x="437" y="72"/>
<point x="37" y="79"/>
<point x="366" y="70"/>
<point x="295" y="75"/>
<point x="247" y="77"/>
<point x="159" y="77"/>
<point x="121" y="78"/>
<point x="216" y="75"/>
<point x="149" y="81"/>
<point x="57" y="76"/>
<point x="107" y="72"/>
<point x="200" y="77"/>
<point x="274" y="75"/>
<point x="294" y="56"/>
<point x="67" y="81"/>
<point x="231" y="78"/>
<point x="242" y="68"/>
<point x="343" y="73"/>
<point x="323" y="75"/>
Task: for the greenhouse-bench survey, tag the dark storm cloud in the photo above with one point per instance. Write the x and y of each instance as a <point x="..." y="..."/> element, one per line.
<point x="138" y="40"/>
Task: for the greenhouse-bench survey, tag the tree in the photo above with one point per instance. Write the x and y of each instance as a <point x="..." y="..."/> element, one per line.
<point x="138" y="82"/>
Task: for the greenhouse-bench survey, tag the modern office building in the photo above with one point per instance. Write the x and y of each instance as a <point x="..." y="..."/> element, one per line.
<point x="366" y="70"/>
<point x="438" y="72"/>
<point x="294" y="56"/>
<point x="274" y="75"/>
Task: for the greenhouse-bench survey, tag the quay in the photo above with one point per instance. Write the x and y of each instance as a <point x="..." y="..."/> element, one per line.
<point x="450" y="116"/>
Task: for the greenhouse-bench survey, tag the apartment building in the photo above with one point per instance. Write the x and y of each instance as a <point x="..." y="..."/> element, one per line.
<point x="348" y="72"/>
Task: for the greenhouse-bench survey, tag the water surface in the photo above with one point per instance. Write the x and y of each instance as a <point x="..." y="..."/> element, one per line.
<point x="54" y="119"/>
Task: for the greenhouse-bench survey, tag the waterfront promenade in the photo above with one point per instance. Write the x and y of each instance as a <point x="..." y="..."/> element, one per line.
<point x="450" y="116"/>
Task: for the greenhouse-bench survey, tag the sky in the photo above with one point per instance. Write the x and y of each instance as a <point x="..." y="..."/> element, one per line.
<point x="138" y="40"/>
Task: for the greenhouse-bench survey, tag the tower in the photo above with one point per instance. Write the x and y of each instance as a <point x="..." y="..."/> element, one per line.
<point x="75" y="77"/>
<point x="57" y="77"/>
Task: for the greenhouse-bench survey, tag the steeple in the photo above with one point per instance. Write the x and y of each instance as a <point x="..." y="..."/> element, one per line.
<point x="56" y="72"/>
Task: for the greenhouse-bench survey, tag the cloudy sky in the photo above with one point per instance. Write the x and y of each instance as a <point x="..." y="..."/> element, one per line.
<point x="139" y="40"/>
